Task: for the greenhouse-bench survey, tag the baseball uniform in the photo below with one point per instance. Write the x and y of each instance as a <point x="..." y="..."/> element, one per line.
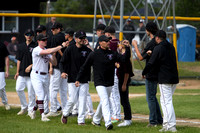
<point x="3" y="54"/>
<point x="24" y="57"/>
<point x="103" y="62"/>
<point x="73" y="58"/>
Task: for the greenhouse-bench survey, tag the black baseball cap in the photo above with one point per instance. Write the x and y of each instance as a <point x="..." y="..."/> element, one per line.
<point x="161" y="34"/>
<point x="109" y="29"/>
<point x="101" y="27"/>
<point x="57" y="25"/>
<point x="69" y="31"/>
<point x="29" y="32"/>
<point x="40" y="28"/>
<point x="80" y="34"/>
<point x="41" y="37"/>
<point x="104" y="38"/>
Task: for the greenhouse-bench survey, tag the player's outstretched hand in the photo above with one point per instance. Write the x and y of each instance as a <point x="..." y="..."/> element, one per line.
<point x="77" y="83"/>
<point x="64" y="44"/>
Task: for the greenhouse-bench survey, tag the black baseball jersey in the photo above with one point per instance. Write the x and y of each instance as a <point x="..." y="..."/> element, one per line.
<point x="103" y="62"/>
<point x="24" y="55"/>
<point x="57" y="40"/>
<point x="164" y="57"/>
<point x="3" y="53"/>
<point x="73" y="58"/>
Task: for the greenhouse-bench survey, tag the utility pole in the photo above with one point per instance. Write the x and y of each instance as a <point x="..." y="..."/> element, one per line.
<point x="48" y="10"/>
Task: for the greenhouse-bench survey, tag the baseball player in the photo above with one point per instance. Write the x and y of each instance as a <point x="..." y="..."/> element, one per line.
<point x="115" y="96"/>
<point x="103" y="62"/>
<point x="57" y="84"/>
<point x="39" y="74"/>
<point x="42" y="29"/>
<point x="164" y="57"/>
<point x="73" y="58"/>
<point x="99" y="31"/>
<point x="4" y="60"/>
<point x="24" y="59"/>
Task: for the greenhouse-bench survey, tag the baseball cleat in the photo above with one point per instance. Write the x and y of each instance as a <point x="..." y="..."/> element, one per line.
<point x="53" y="114"/>
<point x="125" y="123"/>
<point x="32" y="114"/>
<point x="115" y="120"/>
<point x="7" y="106"/>
<point x="22" y="112"/>
<point x="109" y="127"/>
<point x="152" y="125"/>
<point x="89" y="117"/>
<point x="95" y="124"/>
<point x="44" y="118"/>
<point x="81" y="124"/>
<point x="64" y="119"/>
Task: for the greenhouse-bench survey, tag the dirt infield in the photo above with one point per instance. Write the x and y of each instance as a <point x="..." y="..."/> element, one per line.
<point x="189" y="84"/>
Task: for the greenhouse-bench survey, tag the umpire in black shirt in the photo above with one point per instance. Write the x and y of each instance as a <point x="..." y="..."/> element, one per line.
<point x="103" y="62"/>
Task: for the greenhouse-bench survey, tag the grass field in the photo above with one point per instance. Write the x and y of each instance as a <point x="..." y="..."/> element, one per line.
<point x="11" y="123"/>
<point x="186" y="106"/>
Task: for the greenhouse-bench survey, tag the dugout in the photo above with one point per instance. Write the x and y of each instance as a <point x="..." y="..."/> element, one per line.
<point x="186" y="44"/>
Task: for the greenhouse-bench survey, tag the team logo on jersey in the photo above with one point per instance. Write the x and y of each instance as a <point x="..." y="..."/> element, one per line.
<point x="46" y="59"/>
<point x="30" y="49"/>
<point x="84" y="53"/>
<point x="110" y="56"/>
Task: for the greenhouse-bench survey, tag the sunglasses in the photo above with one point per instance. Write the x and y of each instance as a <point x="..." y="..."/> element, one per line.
<point x="81" y="37"/>
<point x="28" y="34"/>
<point x="44" y="40"/>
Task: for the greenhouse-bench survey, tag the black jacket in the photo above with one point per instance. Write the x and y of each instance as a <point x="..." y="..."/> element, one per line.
<point x="153" y="72"/>
<point x="103" y="62"/>
<point x="164" y="57"/>
<point x="71" y="61"/>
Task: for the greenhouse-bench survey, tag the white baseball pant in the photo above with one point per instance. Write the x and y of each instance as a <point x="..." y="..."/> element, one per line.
<point x="166" y="93"/>
<point x="2" y="88"/>
<point x="21" y="83"/>
<point x="57" y="84"/>
<point x="40" y="84"/>
<point x="89" y="105"/>
<point x="77" y="94"/>
<point x="115" y="99"/>
<point x="104" y="105"/>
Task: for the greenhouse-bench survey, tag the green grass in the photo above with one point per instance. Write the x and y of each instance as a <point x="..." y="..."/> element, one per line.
<point x="11" y="123"/>
<point x="185" y="68"/>
<point x="186" y="106"/>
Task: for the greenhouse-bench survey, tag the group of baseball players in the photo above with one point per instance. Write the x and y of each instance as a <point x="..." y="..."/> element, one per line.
<point x="61" y="63"/>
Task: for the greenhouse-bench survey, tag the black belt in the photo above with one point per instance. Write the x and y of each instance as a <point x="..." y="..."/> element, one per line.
<point x="41" y="73"/>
